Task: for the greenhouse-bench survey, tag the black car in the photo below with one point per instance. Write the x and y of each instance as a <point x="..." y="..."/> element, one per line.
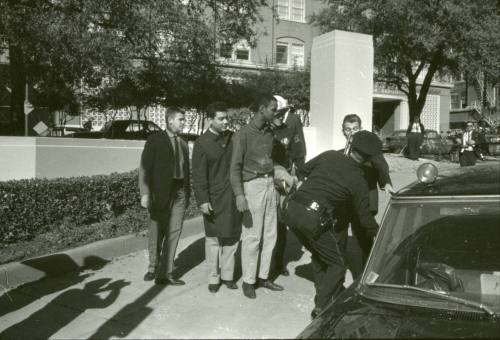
<point x="434" y="270"/>
<point x="128" y="129"/>
<point x="122" y="129"/>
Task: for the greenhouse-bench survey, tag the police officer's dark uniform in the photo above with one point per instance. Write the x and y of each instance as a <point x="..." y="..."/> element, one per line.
<point x="283" y="139"/>
<point x="333" y="182"/>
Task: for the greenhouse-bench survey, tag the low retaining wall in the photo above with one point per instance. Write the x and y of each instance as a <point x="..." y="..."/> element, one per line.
<point x="49" y="157"/>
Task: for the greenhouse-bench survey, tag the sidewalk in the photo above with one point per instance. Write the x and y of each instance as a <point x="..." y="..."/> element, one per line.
<point x="113" y="301"/>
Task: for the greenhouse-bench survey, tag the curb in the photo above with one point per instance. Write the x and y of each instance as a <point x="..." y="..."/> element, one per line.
<point x="92" y="255"/>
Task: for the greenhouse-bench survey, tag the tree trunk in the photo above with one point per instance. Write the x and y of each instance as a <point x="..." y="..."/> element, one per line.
<point x="18" y="84"/>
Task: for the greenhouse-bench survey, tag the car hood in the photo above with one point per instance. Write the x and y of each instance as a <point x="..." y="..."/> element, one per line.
<point x="357" y="317"/>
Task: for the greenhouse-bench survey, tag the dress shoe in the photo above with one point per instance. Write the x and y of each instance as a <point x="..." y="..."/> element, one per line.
<point x="285" y="272"/>
<point x="174" y="282"/>
<point x="213" y="288"/>
<point x="315" y="312"/>
<point x="149" y="276"/>
<point x="249" y="290"/>
<point x="230" y="284"/>
<point x="270" y="285"/>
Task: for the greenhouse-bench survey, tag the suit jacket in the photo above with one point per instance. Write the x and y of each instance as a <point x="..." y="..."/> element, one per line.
<point x="211" y="163"/>
<point x="297" y="145"/>
<point x="156" y="173"/>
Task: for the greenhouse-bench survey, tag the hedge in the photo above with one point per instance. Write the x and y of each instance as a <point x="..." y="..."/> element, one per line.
<point x="34" y="206"/>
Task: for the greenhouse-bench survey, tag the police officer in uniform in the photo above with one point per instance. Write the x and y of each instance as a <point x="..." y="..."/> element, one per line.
<point x="331" y="182"/>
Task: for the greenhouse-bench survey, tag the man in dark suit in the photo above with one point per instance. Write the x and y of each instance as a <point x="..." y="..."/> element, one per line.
<point x="164" y="187"/>
<point x="213" y="191"/>
<point x="467" y="156"/>
<point x="375" y="171"/>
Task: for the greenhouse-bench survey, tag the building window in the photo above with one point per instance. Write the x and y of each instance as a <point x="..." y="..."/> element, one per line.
<point x="294" y="10"/>
<point x="226" y="51"/>
<point x="242" y="54"/>
<point x="239" y="51"/>
<point x="290" y="53"/>
<point x="282" y="53"/>
<point x="297" y="55"/>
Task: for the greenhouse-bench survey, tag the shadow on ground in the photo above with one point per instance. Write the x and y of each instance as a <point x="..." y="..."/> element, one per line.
<point x="65" y="308"/>
<point x="134" y="313"/>
<point x="53" y="266"/>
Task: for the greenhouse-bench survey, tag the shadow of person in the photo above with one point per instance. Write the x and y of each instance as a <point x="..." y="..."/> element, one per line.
<point x="190" y="257"/>
<point x="64" y="308"/>
<point x="53" y="266"/>
<point x="134" y="313"/>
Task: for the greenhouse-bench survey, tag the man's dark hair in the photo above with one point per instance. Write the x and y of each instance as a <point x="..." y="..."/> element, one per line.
<point x="172" y="111"/>
<point x="213" y="108"/>
<point x="469" y="122"/>
<point x="352" y="118"/>
<point x="262" y="100"/>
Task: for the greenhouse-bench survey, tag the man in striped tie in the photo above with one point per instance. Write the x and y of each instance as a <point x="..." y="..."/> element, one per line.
<point x="164" y="188"/>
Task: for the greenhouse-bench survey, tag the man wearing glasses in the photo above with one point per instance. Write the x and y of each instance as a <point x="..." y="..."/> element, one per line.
<point x="467" y="155"/>
<point x="375" y="170"/>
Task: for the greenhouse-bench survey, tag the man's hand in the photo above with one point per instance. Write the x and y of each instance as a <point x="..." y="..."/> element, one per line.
<point x="145" y="201"/>
<point x="389" y="189"/>
<point x="291" y="181"/>
<point x="206" y="208"/>
<point x="299" y="183"/>
<point x="241" y="203"/>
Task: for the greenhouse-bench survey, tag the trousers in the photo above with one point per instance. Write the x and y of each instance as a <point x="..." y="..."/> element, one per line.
<point x="219" y="256"/>
<point x="164" y="234"/>
<point x="258" y="235"/>
<point x="327" y="261"/>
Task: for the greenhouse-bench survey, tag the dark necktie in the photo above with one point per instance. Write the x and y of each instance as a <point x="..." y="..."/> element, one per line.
<point x="177" y="172"/>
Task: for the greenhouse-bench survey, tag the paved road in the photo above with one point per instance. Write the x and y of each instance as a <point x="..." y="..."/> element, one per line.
<point x="114" y="302"/>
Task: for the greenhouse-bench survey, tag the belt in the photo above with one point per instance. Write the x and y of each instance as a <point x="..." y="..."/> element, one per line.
<point x="264" y="175"/>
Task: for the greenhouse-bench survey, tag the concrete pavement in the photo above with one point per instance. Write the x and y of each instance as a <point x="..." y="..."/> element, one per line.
<point x="112" y="300"/>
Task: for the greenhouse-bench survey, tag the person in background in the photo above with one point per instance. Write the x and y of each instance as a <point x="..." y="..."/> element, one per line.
<point x="164" y="188"/>
<point x="252" y="179"/>
<point x="284" y="182"/>
<point x="482" y="144"/>
<point x="415" y="135"/>
<point x="222" y="220"/>
<point x="467" y="156"/>
<point x="376" y="174"/>
<point x="297" y="143"/>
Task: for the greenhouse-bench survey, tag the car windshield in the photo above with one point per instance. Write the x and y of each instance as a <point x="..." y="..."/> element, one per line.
<point x="449" y="247"/>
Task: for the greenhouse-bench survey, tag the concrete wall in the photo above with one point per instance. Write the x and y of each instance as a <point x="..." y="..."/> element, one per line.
<point x="44" y="157"/>
<point x="341" y="83"/>
<point x="17" y="157"/>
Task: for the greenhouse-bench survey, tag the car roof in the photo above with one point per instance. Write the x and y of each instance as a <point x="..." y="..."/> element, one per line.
<point x="478" y="180"/>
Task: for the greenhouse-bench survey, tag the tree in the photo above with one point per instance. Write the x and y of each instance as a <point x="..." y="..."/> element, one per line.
<point x="418" y="40"/>
<point x="293" y="85"/>
<point x="154" y="51"/>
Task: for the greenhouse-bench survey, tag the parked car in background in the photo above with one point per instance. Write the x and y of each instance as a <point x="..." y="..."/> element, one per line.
<point x="493" y="143"/>
<point x="131" y="130"/>
<point x="434" y="270"/>
<point x="432" y="143"/>
<point x="122" y="129"/>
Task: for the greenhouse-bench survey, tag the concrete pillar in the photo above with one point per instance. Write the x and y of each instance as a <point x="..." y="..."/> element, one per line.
<point x="341" y="84"/>
<point x="403" y="116"/>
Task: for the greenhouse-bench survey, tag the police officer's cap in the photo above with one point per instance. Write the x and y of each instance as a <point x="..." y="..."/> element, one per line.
<point x="366" y="143"/>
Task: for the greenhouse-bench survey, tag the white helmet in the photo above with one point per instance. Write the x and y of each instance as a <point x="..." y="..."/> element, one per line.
<point x="282" y="102"/>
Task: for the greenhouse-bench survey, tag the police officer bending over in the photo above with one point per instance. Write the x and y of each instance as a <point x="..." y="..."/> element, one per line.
<point x="332" y="182"/>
